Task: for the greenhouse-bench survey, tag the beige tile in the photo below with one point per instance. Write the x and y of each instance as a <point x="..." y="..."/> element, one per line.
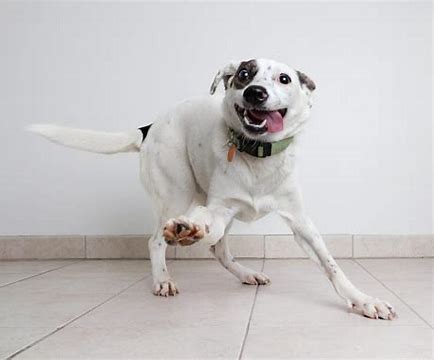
<point x="393" y="246"/>
<point x="117" y="247"/>
<point x="31" y="267"/>
<point x="94" y="268"/>
<point x="305" y="342"/>
<point x="419" y="295"/>
<point x="55" y="297"/>
<point x="284" y="246"/>
<point x="54" y="283"/>
<point x="42" y="247"/>
<point x="300" y="296"/>
<point x="209" y="295"/>
<point x="12" y="271"/>
<point x="13" y="339"/>
<point x="206" y="320"/>
<point x="6" y="279"/>
<point x="247" y="246"/>
<point x="160" y="341"/>
<point x="410" y="279"/>
<point x="41" y="308"/>
<point x="400" y="269"/>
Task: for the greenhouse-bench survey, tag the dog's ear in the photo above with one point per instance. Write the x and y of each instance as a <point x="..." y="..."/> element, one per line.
<point x="306" y="81"/>
<point x="224" y="74"/>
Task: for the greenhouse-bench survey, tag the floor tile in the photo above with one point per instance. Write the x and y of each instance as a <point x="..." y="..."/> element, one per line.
<point x="304" y="342"/>
<point x="43" y="309"/>
<point x="208" y="294"/>
<point x="31" y="266"/>
<point x="410" y="279"/>
<point x="6" y="279"/>
<point x="15" y="338"/>
<point x="53" y="298"/>
<point x="314" y="302"/>
<point x="12" y="271"/>
<point x="418" y="295"/>
<point x="400" y="269"/>
<point x="206" y="320"/>
<point x="298" y="315"/>
<point x="102" y="267"/>
<point x="159" y="342"/>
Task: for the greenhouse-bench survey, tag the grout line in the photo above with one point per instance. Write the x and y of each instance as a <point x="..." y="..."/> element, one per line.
<point x="246" y="333"/>
<point x="41" y="273"/>
<point x="394" y="293"/>
<point x="57" y="329"/>
<point x="85" y="246"/>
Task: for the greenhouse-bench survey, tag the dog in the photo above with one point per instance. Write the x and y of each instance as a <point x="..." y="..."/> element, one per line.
<point x="213" y="159"/>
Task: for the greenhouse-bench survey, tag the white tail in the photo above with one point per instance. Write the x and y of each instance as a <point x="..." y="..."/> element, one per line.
<point x="89" y="140"/>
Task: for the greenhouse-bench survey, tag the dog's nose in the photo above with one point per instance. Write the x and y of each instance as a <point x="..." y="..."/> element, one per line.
<point x="255" y="95"/>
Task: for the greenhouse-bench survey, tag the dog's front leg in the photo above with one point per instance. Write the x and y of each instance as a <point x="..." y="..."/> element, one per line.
<point x="205" y="223"/>
<point x="311" y="241"/>
<point x="163" y="283"/>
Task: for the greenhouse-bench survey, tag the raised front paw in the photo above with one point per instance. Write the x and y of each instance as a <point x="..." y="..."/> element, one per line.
<point x="182" y="231"/>
<point x="374" y="308"/>
<point x="165" y="288"/>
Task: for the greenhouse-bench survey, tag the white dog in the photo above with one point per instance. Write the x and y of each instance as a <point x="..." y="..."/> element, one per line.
<point x="214" y="159"/>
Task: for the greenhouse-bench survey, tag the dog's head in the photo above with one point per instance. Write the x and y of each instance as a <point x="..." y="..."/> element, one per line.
<point x="265" y="99"/>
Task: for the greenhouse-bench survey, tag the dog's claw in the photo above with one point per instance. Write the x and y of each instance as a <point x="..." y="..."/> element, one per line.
<point x="165" y="289"/>
<point x="374" y="309"/>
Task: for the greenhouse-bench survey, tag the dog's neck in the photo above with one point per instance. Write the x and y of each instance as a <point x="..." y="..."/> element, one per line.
<point x="256" y="148"/>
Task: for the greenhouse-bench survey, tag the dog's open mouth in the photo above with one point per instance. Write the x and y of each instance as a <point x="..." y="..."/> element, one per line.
<point x="261" y="121"/>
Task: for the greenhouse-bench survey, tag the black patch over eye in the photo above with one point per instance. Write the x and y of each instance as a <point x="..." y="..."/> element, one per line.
<point x="284" y="79"/>
<point x="243" y="74"/>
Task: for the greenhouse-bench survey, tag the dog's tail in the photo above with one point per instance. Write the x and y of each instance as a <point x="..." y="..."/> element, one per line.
<point x="94" y="141"/>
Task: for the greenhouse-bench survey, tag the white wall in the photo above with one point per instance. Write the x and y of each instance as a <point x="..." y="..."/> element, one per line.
<point x="365" y="159"/>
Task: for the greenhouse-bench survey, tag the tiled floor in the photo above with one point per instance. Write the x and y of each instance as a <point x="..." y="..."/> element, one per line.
<point x="104" y="309"/>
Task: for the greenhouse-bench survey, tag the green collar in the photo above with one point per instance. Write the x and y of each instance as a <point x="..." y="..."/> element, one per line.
<point x="257" y="148"/>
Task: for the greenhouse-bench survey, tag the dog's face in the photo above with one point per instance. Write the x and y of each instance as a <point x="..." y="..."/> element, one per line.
<point x="265" y="99"/>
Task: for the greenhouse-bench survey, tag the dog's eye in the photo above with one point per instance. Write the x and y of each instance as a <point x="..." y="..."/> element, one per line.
<point x="284" y="79"/>
<point x="243" y="74"/>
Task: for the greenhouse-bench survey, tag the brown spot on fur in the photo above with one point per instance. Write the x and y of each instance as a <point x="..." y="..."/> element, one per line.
<point x="306" y="80"/>
<point x="252" y="67"/>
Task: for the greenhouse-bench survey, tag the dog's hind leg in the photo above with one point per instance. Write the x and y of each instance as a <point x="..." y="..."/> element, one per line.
<point x="247" y="276"/>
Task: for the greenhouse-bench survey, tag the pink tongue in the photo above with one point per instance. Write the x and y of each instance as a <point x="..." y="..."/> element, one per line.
<point x="274" y="121"/>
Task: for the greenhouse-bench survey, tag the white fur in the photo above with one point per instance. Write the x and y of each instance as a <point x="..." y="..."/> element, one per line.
<point x="88" y="140"/>
<point x="184" y="169"/>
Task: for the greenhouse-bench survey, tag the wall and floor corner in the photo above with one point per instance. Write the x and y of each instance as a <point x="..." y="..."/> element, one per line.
<point x="366" y="161"/>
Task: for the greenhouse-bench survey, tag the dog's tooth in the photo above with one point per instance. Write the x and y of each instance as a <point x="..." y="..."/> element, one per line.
<point x="261" y="125"/>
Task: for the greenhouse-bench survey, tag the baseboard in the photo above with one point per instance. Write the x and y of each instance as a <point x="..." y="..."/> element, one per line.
<point x="243" y="246"/>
